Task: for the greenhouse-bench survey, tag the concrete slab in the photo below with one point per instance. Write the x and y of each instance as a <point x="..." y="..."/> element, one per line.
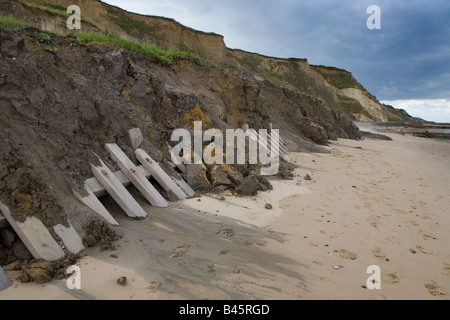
<point x="70" y="237"/>
<point x="183" y="185"/>
<point x="180" y="166"/>
<point x="136" y="138"/>
<point x="97" y="188"/>
<point x="139" y="181"/>
<point x="35" y="236"/>
<point x="159" y="174"/>
<point x="5" y="283"/>
<point x="117" y="191"/>
<point x="94" y="203"/>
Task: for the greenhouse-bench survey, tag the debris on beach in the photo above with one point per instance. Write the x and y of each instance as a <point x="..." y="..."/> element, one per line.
<point x="122" y="281"/>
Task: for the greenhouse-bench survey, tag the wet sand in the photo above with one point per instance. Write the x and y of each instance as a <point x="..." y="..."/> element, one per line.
<point x="369" y="203"/>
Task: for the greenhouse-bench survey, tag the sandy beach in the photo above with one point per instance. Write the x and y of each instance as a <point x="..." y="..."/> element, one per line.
<point x="369" y="202"/>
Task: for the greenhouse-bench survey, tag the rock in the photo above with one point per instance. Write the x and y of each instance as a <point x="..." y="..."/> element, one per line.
<point x="226" y="232"/>
<point x="90" y="240"/>
<point x="135" y="137"/>
<point x="234" y="174"/>
<point x="20" y="251"/>
<point x="7" y="237"/>
<point x="122" y="281"/>
<point x="195" y="177"/>
<point x="220" y="189"/>
<point x="308" y="177"/>
<point x="264" y="183"/>
<point x="218" y="176"/>
<point x="315" y="132"/>
<point x="249" y="187"/>
<point x="413" y="251"/>
<point x="268" y="206"/>
<point x="98" y="232"/>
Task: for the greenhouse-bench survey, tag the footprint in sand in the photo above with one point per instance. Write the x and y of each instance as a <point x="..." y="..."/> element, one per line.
<point x="378" y="253"/>
<point x="434" y="289"/>
<point x="423" y="250"/>
<point x="345" y="254"/>
<point x="392" y="278"/>
<point x="153" y="287"/>
<point x="446" y="269"/>
<point x="179" y="251"/>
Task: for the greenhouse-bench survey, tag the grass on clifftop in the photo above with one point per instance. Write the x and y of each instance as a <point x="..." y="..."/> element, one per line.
<point x="164" y="56"/>
<point x="12" y="22"/>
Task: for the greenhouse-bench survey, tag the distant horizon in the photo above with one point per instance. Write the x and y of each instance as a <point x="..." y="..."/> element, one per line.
<point x="406" y="62"/>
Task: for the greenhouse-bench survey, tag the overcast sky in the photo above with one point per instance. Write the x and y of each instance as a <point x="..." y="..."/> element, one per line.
<point x="405" y="63"/>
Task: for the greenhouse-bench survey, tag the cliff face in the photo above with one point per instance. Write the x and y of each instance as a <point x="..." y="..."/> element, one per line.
<point x="338" y="89"/>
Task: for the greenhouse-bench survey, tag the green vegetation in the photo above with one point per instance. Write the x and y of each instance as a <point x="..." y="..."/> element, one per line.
<point x="52" y="6"/>
<point x="393" y="118"/>
<point x="52" y="9"/>
<point x="44" y="37"/>
<point x="51" y="49"/>
<point x="12" y="22"/>
<point x="164" y="56"/>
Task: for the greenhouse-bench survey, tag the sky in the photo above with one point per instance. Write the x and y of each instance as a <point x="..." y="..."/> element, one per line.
<point x="406" y="63"/>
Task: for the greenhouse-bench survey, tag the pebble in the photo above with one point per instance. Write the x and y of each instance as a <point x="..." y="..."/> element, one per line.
<point x="122" y="281"/>
<point x="353" y="258"/>
<point x="413" y="251"/>
<point x="268" y="206"/>
<point x="335" y="267"/>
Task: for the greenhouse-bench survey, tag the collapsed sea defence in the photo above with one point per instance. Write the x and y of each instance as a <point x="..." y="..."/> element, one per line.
<point x="64" y="97"/>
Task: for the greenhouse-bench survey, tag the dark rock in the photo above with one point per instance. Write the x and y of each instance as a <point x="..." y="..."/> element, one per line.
<point x="234" y="174"/>
<point x="218" y="176"/>
<point x="20" y="251"/>
<point x="264" y="183"/>
<point x="196" y="177"/>
<point x="268" y="206"/>
<point x="220" y="189"/>
<point x="90" y="240"/>
<point x="308" y="177"/>
<point x="7" y="237"/>
<point x="249" y="187"/>
<point x="122" y="281"/>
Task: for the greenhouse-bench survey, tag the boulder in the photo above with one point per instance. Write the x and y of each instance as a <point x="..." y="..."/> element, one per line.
<point x="20" y="251"/>
<point x="195" y="177"/>
<point x="315" y="132"/>
<point x="218" y="176"/>
<point x="249" y="187"/>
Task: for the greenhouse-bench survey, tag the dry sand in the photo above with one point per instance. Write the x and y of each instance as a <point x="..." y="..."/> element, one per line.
<point x="369" y="202"/>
